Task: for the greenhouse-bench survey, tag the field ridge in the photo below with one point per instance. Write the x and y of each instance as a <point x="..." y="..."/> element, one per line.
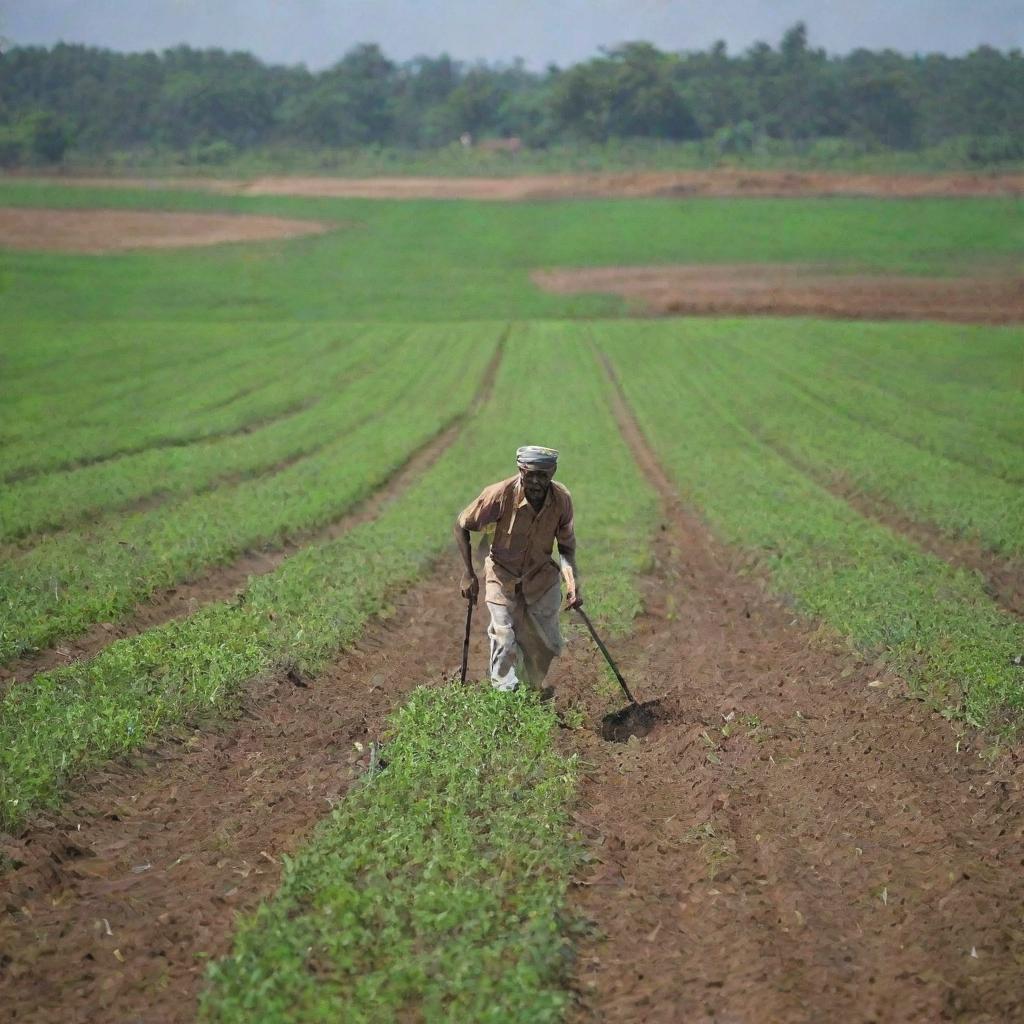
<point x="226" y="581"/>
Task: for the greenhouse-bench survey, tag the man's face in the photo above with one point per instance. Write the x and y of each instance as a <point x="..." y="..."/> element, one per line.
<point x="535" y="484"/>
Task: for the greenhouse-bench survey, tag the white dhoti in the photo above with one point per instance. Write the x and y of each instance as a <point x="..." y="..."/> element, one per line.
<point x="524" y="639"/>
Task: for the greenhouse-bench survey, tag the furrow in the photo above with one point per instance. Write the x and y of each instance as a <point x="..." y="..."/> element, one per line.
<point x="792" y="804"/>
<point x="933" y="622"/>
<point x="225" y="582"/>
<point x="137" y="482"/>
<point x="929" y="485"/>
<point x="170" y="847"/>
<point x="1003" y="578"/>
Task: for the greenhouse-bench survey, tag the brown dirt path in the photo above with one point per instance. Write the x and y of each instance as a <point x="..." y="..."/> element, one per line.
<point x="715" y="182"/>
<point x="798" y="842"/>
<point x="769" y="289"/>
<point x="124" y="892"/>
<point x="99" y="231"/>
<point x="718" y="182"/>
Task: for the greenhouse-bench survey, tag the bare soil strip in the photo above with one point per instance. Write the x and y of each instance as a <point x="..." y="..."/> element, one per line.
<point x="720" y="182"/>
<point x="796" y="290"/>
<point x="99" y="231"/>
<point x="682" y="184"/>
<point x="124" y="894"/>
<point x="797" y="841"/>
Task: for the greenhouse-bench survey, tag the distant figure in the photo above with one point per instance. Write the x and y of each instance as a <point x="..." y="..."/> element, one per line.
<point x="466" y="139"/>
<point x="529" y="512"/>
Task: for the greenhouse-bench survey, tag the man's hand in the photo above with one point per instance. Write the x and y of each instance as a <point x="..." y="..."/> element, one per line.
<point x="470" y="586"/>
<point x="573" y="599"/>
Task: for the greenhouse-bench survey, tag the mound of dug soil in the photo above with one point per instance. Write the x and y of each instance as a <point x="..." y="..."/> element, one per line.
<point x="765" y="289"/>
<point x="113" y="230"/>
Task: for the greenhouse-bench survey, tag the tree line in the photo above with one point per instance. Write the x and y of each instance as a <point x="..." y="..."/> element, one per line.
<point x="216" y="103"/>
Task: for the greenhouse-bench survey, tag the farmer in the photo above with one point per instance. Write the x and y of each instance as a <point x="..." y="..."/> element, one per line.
<point x="529" y="512"/>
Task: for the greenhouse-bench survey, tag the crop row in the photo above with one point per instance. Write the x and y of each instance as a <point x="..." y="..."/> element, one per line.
<point x="84" y="364"/>
<point x="127" y="368"/>
<point x="973" y="375"/>
<point x="59" y="499"/>
<point x="63" y="721"/>
<point x="788" y="415"/>
<point x="437" y="886"/>
<point x="440" y="882"/>
<point x="973" y="356"/>
<point x="935" y="623"/>
<point x="80" y="577"/>
<point x="805" y="359"/>
<point x="244" y="384"/>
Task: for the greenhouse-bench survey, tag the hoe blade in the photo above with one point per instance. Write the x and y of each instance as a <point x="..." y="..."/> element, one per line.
<point x="632" y="720"/>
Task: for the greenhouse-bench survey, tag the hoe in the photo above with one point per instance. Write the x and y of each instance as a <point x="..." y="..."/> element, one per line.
<point x="635" y="719"/>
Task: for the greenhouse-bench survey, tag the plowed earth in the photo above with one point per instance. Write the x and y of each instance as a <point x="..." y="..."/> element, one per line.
<point x="98" y="231"/>
<point x="718" y="182"/>
<point x="124" y="893"/>
<point x="797" y="840"/>
<point x="796" y="290"/>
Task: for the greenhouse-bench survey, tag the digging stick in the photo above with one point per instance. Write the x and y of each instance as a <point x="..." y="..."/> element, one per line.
<point x="465" y="643"/>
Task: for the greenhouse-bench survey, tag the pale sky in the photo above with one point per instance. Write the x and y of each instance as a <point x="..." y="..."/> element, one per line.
<point x="318" y="32"/>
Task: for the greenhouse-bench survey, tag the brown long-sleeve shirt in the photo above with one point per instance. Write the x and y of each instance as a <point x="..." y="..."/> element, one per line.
<point x="520" y="559"/>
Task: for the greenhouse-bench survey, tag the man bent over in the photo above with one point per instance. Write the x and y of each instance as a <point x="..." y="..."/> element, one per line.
<point x="529" y="513"/>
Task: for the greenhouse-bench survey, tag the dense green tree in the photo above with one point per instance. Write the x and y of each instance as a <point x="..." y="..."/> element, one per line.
<point x="212" y="103"/>
<point x="631" y="91"/>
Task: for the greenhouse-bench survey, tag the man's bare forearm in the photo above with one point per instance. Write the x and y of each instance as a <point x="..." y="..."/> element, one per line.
<point x="567" y="556"/>
<point x="464" y="543"/>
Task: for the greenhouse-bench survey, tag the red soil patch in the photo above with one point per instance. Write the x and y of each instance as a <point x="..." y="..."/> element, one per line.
<point x="796" y="841"/>
<point x="795" y="290"/>
<point x="633" y="184"/>
<point x="722" y="183"/>
<point x="114" y="230"/>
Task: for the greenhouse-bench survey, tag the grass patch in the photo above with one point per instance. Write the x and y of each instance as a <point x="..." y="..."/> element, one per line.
<point x="428" y="260"/>
<point x="74" y="579"/>
<point x="437" y="887"/>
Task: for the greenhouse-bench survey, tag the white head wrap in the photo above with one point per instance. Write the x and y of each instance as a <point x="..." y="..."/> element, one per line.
<point x="533" y="456"/>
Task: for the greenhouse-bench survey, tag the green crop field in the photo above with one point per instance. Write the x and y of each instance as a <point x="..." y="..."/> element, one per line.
<point x="164" y="414"/>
